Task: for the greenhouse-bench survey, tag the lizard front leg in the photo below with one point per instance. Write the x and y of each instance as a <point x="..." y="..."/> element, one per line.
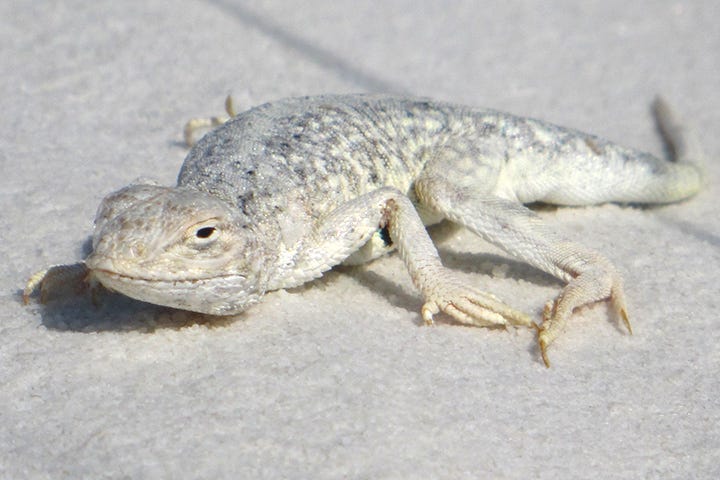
<point x="58" y="280"/>
<point x="348" y="227"/>
<point x="441" y="287"/>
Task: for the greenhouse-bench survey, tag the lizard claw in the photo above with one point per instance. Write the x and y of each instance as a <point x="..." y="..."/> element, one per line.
<point x="617" y="298"/>
<point x="558" y="311"/>
<point x="470" y="306"/>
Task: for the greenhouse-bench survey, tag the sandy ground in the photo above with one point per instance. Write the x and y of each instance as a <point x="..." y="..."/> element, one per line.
<point x="340" y="379"/>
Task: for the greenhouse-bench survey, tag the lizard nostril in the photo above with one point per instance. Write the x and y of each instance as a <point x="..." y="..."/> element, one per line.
<point x="138" y="250"/>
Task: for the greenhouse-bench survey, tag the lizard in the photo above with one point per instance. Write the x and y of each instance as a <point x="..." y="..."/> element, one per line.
<point x="277" y="195"/>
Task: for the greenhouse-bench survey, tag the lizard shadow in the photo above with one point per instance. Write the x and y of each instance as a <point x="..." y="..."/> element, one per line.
<point x="117" y="313"/>
<point x="488" y="264"/>
<point x="324" y="58"/>
<point x="107" y="311"/>
<point x="412" y="302"/>
<point x="79" y="310"/>
<point x="400" y="297"/>
<point x="466" y="262"/>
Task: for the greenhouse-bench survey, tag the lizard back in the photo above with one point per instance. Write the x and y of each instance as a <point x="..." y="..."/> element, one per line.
<point x="319" y="151"/>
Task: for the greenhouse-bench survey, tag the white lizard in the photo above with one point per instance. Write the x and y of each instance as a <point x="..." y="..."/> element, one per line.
<point x="283" y="192"/>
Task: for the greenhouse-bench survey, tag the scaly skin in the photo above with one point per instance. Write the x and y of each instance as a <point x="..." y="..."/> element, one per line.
<point x="283" y="192"/>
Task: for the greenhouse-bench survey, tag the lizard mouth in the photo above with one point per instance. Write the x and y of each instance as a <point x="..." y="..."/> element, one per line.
<point x="219" y="295"/>
<point x="101" y="273"/>
<point x="139" y="287"/>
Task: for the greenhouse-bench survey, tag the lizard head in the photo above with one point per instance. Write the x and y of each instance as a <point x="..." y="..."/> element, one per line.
<point x="179" y="248"/>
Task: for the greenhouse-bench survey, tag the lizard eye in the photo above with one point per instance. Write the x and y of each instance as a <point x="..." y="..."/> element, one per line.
<point x="205" y="232"/>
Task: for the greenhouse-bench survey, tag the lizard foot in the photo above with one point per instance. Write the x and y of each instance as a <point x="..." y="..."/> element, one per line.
<point x="57" y="281"/>
<point x="557" y="312"/>
<point x="471" y="306"/>
<point x="196" y="124"/>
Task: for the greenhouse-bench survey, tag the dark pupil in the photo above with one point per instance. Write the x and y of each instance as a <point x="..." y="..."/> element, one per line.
<point x="204" y="232"/>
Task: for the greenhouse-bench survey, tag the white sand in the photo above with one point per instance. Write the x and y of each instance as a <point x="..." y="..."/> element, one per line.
<point x="340" y="380"/>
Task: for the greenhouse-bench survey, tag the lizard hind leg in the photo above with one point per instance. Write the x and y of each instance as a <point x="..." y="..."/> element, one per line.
<point x="442" y="289"/>
<point x="597" y="283"/>
<point x="195" y="125"/>
<point x="520" y="232"/>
